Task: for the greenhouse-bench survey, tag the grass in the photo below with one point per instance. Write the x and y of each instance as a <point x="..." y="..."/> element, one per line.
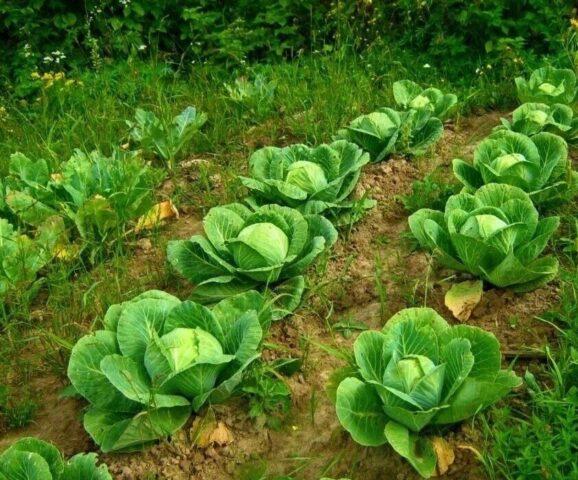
<point x="314" y="97"/>
<point x="536" y="437"/>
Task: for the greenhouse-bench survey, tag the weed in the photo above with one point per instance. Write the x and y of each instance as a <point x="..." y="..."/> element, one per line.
<point x="431" y="192"/>
<point x="16" y="412"/>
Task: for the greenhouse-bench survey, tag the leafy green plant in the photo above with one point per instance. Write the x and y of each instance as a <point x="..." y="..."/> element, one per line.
<point x="548" y="85"/>
<point x="431" y="192"/>
<point x="538" y="165"/>
<point x="268" y="393"/>
<point x="409" y="95"/>
<point x="418" y="373"/>
<point x="165" y="139"/>
<point x="386" y="131"/>
<point x="256" y="96"/>
<point x="313" y="180"/>
<point x="495" y="234"/>
<point x="159" y="358"/>
<point x="245" y="249"/>
<point x="32" y="459"/>
<point x="532" y="118"/>
<point x="22" y="257"/>
<point x="16" y="410"/>
<point x="97" y="197"/>
<point x="376" y="132"/>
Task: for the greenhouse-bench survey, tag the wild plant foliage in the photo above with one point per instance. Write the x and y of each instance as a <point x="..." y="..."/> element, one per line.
<point x="159" y="359"/>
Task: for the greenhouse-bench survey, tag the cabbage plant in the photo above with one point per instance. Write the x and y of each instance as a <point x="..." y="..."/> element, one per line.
<point x="245" y="250"/>
<point x="33" y="459"/>
<point x="312" y="180"/>
<point x="533" y="118"/>
<point x="257" y="96"/>
<point x="376" y="132"/>
<point x="409" y="95"/>
<point x="157" y="359"/>
<point x="548" y="85"/>
<point x="538" y="165"/>
<point x="165" y="139"/>
<point x="387" y="131"/>
<point x="97" y="197"/>
<point x="416" y="374"/>
<point x="23" y="257"/>
<point x="495" y="234"/>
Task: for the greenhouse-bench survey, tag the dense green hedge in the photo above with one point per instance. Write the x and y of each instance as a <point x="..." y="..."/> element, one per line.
<point x="45" y="35"/>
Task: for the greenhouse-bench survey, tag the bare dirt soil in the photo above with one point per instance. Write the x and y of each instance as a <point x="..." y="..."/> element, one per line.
<point x="312" y="437"/>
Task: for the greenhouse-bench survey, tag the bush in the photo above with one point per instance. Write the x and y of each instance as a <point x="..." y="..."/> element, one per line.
<point x="45" y="34"/>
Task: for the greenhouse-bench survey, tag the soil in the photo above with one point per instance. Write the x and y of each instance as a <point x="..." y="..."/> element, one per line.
<point x="311" y="439"/>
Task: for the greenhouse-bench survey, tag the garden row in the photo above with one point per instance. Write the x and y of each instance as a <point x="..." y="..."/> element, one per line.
<point x="158" y="359"/>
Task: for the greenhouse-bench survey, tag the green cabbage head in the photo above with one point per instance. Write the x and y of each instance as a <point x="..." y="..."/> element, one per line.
<point x="376" y="133"/>
<point x="532" y="118"/>
<point x="312" y="180"/>
<point x="33" y="459"/>
<point x="548" y="85"/>
<point x="386" y="132"/>
<point x="244" y="250"/>
<point x="409" y="95"/>
<point x="419" y="373"/>
<point x="494" y="234"/>
<point x="158" y="359"/>
<point x="538" y="165"/>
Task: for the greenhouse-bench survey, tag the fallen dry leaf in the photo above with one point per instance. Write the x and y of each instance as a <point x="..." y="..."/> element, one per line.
<point x="160" y="211"/>
<point x="463" y="297"/>
<point x="206" y="431"/>
<point x="475" y="451"/>
<point x="444" y="453"/>
<point x="221" y="435"/>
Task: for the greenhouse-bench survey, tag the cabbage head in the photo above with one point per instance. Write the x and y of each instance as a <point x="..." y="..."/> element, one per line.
<point x="158" y="359"/>
<point x="539" y="165"/>
<point x="416" y="374"/>
<point x="532" y="118"/>
<point x="376" y="133"/>
<point x="494" y="234"/>
<point x="548" y="85"/>
<point x="409" y="95"/>
<point x="33" y="459"/>
<point x="243" y="250"/>
<point x="313" y="180"/>
<point x="387" y="131"/>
